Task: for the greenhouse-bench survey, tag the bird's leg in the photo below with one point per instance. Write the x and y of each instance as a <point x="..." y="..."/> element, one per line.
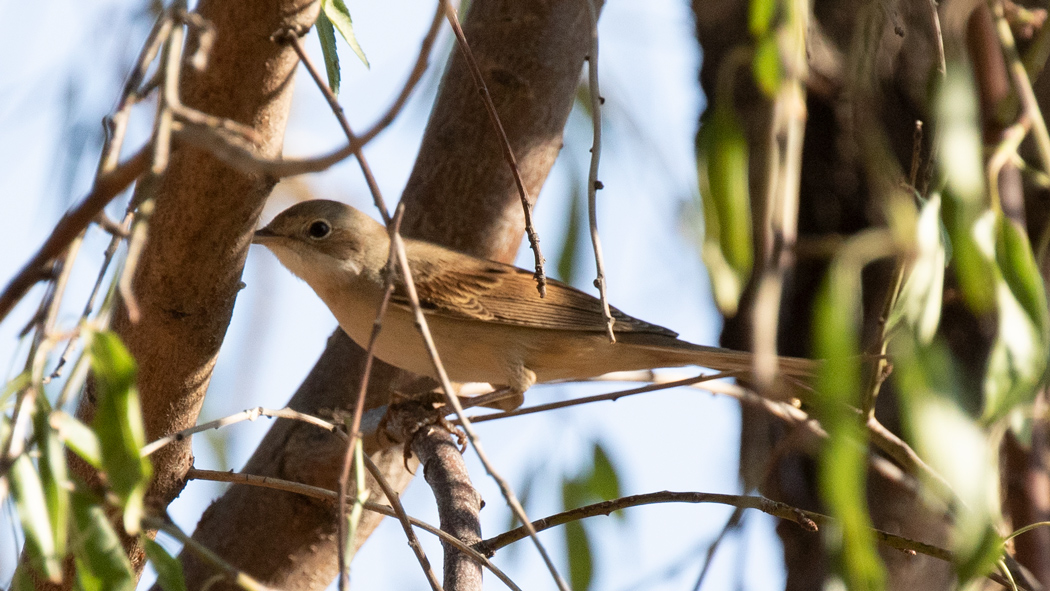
<point x="504" y="398"/>
<point x="512" y="395"/>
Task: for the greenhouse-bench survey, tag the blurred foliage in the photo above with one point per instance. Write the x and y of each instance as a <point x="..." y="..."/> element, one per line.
<point x="600" y="483"/>
<point x="60" y="517"/>
<point x="722" y="155"/>
<point x="957" y="232"/>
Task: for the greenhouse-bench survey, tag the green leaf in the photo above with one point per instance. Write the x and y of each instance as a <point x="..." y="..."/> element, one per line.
<point x="118" y="424"/>
<point x="55" y="479"/>
<point x="954" y="446"/>
<point x="760" y="16"/>
<point x="326" y="35"/>
<point x="960" y="157"/>
<point x="722" y="166"/>
<point x="918" y="306"/>
<point x="568" y="260"/>
<point x="960" y="147"/>
<point x="100" y="559"/>
<point x="581" y="561"/>
<point x="577" y="543"/>
<point x="339" y="15"/>
<point x="1018" y="361"/>
<point x="32" y="505"/>
<point x="78" y="437"/>
<point x="604" y="482"/>
<point x="169" y="569"/>
<point x="843" y="461"/>
<point x="766" y="66"/>
<point x="1013" y="253"/>
<point x="15" y="384"/>
<point x="353" y="517"/>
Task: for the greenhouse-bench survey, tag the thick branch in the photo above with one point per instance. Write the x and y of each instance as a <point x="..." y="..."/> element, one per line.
<point x="460" y="194"/>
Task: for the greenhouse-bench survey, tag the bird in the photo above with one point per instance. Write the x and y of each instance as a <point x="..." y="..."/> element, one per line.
<point x="488" y="321"/>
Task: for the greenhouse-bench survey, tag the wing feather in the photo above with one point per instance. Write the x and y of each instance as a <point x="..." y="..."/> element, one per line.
<point x="456" y="285"/>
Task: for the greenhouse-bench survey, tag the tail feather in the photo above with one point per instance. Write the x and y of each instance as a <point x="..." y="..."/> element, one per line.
<point x="672" y="352"/>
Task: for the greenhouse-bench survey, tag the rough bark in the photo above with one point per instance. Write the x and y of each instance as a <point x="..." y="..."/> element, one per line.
<point x="190" y="270"/>
<point x="459" y="194"/>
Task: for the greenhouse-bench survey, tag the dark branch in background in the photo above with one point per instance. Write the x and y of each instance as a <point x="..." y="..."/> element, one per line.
<point x="508" y="153"/>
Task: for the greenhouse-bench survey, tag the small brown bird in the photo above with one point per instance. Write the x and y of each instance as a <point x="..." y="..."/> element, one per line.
<point x="488" y="321"/>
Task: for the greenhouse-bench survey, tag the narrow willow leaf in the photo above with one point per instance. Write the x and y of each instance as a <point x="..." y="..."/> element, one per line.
<point x="960" y="158"/>
<point x="31" y="503"/>
<point x="169" y="569"/>
<point x="339" y="15"/>
<point x="760" y="16"/>
<point x="843" y="461"/>
<point x="326" y="35"/>
<point x="954" y="445"/>
<point x="766" y="66"/>
<point x="100" y="559"/>
<point x="118" y="424"/>
<point x="577" y="543"/>
<point x="15" y="384"/>
<point x="722" y="166"/>
<point x="918" y="307"/>
<point x="604" y="482"/>
<point x="55" y="478"/>
<point x="1018" y="361"/>
<point x="353" y="517"/>
<point x="78" y="437"/>
<point x="568" y="260"/>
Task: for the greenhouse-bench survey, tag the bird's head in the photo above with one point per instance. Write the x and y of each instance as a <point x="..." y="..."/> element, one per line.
<point x="324" y="240"/>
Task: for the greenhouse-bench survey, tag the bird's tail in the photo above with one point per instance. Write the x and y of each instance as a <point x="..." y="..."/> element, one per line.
<point x="672" y="352"/>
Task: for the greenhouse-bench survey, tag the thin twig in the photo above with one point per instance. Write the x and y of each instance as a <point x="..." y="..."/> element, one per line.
<point x="359" y="406"/>
<point x="1022" y="83"/>
<point x="107" y="186"/>
<point x="784" y="171"/>
<point x="241" y="158"/>
<point x="593" y="184"/>
<point x="935" y="19"/>
<point x="107" y="259"/>
<point x="330" y="495"/>
<point x="292" y="38"/>
<point x="394" y="225"/>
<point x="136" y="244"/>
<point x="402" y="516"/>
<point x="508" y="152"/>
<point x="245" y="415"/>
<point x="453" y="401"/>
<point x="613" y="396"/>
<point x="117" y="124"/>
<point x="808" y="520"/>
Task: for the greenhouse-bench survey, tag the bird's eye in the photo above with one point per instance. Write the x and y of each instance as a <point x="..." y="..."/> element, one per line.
<point x="319" y="229"/>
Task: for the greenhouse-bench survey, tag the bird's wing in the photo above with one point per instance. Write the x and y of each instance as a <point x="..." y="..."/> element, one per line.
<point x="461" y="286"/>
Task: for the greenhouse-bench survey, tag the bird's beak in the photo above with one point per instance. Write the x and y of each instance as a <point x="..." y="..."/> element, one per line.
<point x="264" y="234"/>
